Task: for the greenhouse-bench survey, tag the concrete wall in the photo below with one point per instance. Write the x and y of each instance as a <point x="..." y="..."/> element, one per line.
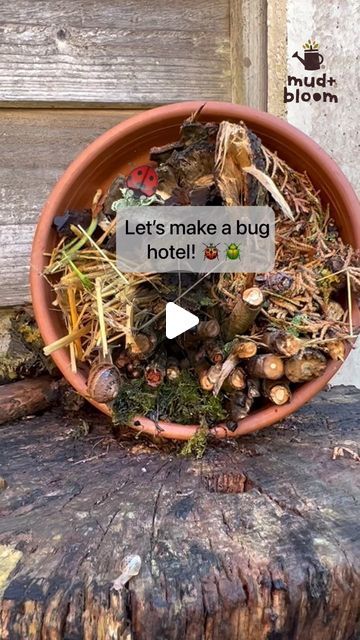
<point x="335" y="126"/>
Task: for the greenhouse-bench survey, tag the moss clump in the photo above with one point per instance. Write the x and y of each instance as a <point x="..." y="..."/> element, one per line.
<point x="20" y="346"/>
<point x="181" y="401"/>
<point x="196" y="446"/>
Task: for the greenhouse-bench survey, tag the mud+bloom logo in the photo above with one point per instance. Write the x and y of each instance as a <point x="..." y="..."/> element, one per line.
<point x="296" y="89"/>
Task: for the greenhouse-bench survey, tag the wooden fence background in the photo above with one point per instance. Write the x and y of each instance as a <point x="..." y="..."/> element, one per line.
<point x="70" y="70"/>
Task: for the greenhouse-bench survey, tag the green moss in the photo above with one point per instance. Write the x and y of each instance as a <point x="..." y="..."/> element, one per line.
<point x="328" y="283"/>
<point x="296" y="323"/>
<point x="196" y="446"/>
<point x="181" y="401"/>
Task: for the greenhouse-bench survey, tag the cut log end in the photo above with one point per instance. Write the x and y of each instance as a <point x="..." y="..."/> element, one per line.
<point x="305" y="366"/>
<point x="244" y="312"/>
<point x="253" y="297"/>
<point x="282" y="343"/>
<point x="236" y="380"/>
<point x="267" y="366"/>
<point x="208" y="329"/>
<point x="278" y="392"/>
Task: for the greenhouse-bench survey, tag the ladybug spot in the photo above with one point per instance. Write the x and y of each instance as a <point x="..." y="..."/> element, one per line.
<point x="151" y="178"/>
<point x="140" y="172"/>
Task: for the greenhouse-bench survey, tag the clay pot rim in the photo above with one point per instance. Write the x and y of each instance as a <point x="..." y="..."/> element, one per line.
<point x="150" y="120"/>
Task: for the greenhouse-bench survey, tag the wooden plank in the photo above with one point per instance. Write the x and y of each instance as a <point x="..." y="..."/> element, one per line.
<point x="36" y="148"/>
<point x="107" y="52"/>
<point x="248" y="52"/>
<point x="258" y="540"/>
<point x="276" y="55"/>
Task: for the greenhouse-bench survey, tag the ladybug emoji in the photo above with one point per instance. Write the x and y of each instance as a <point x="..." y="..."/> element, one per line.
<point x="144" y="179"/>
<point x="211" y="251"/>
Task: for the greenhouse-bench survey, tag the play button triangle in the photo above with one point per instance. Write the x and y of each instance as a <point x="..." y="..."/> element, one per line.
<point x="178" y="320"/>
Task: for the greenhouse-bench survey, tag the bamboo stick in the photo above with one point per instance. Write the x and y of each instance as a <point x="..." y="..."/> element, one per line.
<point x="100" y="310"/>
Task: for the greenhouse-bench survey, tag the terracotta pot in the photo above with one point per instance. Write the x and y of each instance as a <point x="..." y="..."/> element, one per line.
<point x="115" y="152"/>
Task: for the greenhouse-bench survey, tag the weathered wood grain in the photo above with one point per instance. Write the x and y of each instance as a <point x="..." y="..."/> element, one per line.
<point x="107" y="52"/>
<point x="26" y="397"/>
<point x="36" y="145"/>
<point x="276" y="56"/>
<point x="257" y="541"/>
<point x="248" y="52"/>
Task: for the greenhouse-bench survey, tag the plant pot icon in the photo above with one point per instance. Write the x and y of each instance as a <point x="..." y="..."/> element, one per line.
<point x="312" y="59"/>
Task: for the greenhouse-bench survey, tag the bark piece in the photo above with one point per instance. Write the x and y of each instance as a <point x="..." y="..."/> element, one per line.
<point x="237" y="149"/>
<point x="253" y="387"/>
<point x="278" y="282"/>
<point x="240" y="405"/>
<point x="26" y="397"/>
<point x="267" y="366"/>
<point x="113" y="194"/>
<point x="281" y="342"/>
<point x="307" y="365"/>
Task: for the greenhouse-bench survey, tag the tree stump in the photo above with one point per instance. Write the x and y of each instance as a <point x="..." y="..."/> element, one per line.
<point x="259" y="540"/>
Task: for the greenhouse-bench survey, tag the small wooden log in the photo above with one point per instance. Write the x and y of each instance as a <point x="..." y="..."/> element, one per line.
<point x="307" y="365"/>
<point x="267" y="366"/>
<point x="26" y="397"/>
<point x="134" y="369"/>
<point x="208" y="329"/>
<point x="281" y="342"/>
<point x="244" y="312"/>
<point x="122" y="360"/>
<point x="214" y="372"/>
<point x="143" y="344"/>
<point x="278" y="392"/>
<point x="214" y="351"/>
<point x="240" y="349"/>
<point x="243" y="349"/>
<point x="155" y="371"/>
<point x="172" y="368"/>
<point x="235" y="381"/>
<point x="202" y="369"/>
<point x="336" y="349"/>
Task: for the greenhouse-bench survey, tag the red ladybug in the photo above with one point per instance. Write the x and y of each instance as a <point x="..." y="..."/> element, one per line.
<point x="143" y="179"/>
<point x="211" y="251"/>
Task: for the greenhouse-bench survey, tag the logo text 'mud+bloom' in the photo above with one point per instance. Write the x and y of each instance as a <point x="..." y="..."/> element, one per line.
<point x="296" y="89"/>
